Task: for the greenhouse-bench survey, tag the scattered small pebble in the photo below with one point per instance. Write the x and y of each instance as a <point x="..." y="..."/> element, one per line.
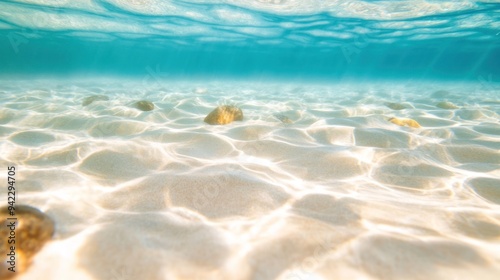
<point x="403" y="122"/>
<point x="224" y="114"/>
<point x="446" y="105"/>
<point x="144" y="105"/>
<point x="31" y="230"/>
<point x="90" y="99"/>
<point x="395" y="106"/>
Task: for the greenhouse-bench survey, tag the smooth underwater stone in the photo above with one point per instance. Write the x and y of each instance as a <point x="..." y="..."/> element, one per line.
<point x="30" y="229"/>
<point x="403" y="122"/>
<point x="395" y="106"/>
<point x="446" y="105"/>
<point x="144" y="105"/>
<point x="224" y="114"/>
<point x="90" y="99"/>
<point x="283" y="118"/>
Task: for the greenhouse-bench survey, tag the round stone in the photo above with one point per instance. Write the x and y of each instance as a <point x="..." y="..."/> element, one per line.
<point x="224" y="114"/>
<point x="144" y="105"/>
<point x="22" y="235"/>
<point x="395" y="106"/>
<point x="446" y="105"/>
<point x="90" y="99"/>
<point x="403" y="122"/>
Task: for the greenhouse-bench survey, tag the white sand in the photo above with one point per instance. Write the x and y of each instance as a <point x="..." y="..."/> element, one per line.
<point x="341" y="193"/>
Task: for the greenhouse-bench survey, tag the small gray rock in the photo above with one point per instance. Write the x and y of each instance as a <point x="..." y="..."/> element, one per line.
<point x="395" y="106"/>
<point x="144" y="105"/>
<point x="446" y="105"/>
<point x="90" y="99"/>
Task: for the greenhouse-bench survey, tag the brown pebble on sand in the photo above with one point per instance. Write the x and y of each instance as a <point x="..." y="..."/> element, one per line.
<point x="446" y="105"/>
<point x="144" y="105"/>
<point x="395" y="106"/>
<point x="31" y="229"/>
<point x="90" y="99"/>
<point x="403" y="122"/>
<point x="224" y="114"/>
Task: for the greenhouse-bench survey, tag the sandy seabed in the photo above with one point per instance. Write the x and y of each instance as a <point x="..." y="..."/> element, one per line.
<point x="339" y="193"/>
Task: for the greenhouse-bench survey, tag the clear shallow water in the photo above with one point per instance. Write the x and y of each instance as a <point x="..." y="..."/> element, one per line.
<point x="335" y="192"/>
<point x="339" y="193"/>
<point x="263" y="39"/>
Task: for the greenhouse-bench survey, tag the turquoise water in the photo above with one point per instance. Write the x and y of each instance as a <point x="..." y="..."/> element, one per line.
<point x="331" y="40"/>
<point x="366" y="145"/>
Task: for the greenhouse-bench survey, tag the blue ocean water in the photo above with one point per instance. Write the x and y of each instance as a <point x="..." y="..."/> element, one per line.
<point x="369" y="146"/>
<point x="266" y="39"/>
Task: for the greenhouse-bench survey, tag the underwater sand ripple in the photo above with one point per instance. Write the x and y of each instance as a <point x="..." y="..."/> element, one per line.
<point x="340" y="192"/>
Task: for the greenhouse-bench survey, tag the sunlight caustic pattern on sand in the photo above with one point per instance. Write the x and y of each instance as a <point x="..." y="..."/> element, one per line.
<point x="335" y="192"/>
